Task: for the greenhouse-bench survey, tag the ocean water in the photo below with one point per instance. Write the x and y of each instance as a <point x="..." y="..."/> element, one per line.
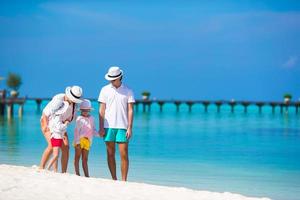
<point x="252" y="154"/>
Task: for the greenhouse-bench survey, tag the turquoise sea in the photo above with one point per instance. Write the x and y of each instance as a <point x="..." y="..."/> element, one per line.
<point x="252" y="154"/>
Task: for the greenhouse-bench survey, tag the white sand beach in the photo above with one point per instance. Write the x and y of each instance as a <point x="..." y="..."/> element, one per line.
<point x="19" y="182"/>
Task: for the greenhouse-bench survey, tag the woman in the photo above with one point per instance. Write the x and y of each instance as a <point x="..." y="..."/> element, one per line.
<point x="73" y="96"/>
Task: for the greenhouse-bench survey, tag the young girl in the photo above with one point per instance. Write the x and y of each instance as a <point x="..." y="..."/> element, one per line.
<point x="84" y="132"/>
<point x="57" y="129"/>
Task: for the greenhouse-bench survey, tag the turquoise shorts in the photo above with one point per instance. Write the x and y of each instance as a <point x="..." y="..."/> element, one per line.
<point x="115" y="135"/>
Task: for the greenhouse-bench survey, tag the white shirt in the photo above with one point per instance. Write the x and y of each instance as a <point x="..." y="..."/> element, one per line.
<point x="116" y="101"/>
<point x="48" y="110"/>
<point x="56" y="126"/>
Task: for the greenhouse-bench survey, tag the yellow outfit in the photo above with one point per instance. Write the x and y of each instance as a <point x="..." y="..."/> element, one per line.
<point x="85" y="143"/>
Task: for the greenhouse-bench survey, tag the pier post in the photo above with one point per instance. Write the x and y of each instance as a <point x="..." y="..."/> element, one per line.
<point x="281" y="108"/>
<point x="10" y="110"/>
<point x="218" y="104"/>
<point x="38" y="102"/>
<point x="286" y="105"/>
<point x="273" y="105"/>
<point x="161" y="104"/>
<point x="177" y="103"/>
<point x="297" y="107"/>
<point x="20" y="111"/>
<point x="146" y="104"/>
<point x="190" y="104"/>
<point x="136" y="106"/>
<point x="144" y="107"/>
<point x="260" y="105"/>
<point x="2" y="107"/>
<point x="206" y="104"/>
<point x="149" y="106"/>
<point x="232" y="105"/>
<point x="2" y="101"/>
<point x="245" y="104"/>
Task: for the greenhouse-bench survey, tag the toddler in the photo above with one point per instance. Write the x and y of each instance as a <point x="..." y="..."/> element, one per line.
<point x="57" y="129"/>
<point x="83" y="136"/>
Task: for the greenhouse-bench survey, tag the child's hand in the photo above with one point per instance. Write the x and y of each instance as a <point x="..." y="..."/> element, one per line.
<point x="101" y="132"/>
<point x="66" y="122"/>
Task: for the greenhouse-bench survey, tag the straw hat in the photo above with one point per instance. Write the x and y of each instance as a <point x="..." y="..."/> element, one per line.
<point x="113" y="73"/>
<point x="74" y="93"/>
<point x="86" y="105"/>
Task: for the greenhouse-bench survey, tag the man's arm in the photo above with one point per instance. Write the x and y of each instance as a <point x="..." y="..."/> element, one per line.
<point x="102" y="107"/>
<point x="130" y="120"/>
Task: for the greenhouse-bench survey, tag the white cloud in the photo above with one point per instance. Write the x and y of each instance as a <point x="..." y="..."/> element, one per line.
<point x="291" y="62"/>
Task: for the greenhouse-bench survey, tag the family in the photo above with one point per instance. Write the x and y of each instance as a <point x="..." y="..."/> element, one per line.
<point x="115" y="125"/>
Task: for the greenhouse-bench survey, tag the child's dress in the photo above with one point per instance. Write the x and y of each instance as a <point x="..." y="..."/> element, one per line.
<point x="57" y="130"/>
<point x="84" y="131"/>
<point x="57" y="127"/>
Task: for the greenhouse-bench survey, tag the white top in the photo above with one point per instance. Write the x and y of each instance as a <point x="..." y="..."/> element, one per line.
<point x="49" y="109"/>
<point x="56" y="126"/>
<point x="116" y="101"/>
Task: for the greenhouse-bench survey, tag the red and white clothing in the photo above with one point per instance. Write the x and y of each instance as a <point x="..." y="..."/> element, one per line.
<point x="57" y="127"/>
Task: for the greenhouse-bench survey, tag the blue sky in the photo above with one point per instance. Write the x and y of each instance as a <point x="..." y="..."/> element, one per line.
<point x="175" y="49"/>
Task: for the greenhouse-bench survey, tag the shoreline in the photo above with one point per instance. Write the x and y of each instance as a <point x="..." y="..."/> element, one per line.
<point x="32" y="183"/>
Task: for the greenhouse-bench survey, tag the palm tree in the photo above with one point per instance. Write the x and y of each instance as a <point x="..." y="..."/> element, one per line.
<point x="287" y="97"/>
<point x="145" y="95"/>
<point x="1" y="78"/>
<point x="2" y="92"/>
<point x="14" y="82"/>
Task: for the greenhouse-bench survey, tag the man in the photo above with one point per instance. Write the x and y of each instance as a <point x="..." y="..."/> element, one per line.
<point x="116" y="119"/>
<point x="72" y="96"/>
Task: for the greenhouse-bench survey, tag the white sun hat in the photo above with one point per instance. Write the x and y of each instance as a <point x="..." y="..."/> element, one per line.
<point x="59" y="107"/>
<point x="74" y="93"/>
<point x="86" y="105"/>
<point x="113" y="73"/>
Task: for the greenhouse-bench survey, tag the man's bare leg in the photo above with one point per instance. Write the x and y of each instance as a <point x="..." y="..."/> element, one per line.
<point x="111" y="161"/>
<point x="123" y="148"/>
<point x="65" y="154"/>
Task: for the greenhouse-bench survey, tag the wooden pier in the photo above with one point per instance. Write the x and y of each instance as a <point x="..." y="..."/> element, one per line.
<point x="146" y="105"/>
<point x="7" y="105"/>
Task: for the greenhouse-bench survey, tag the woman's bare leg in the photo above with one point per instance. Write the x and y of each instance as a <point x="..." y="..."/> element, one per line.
<point x="47" y="151"/>
<point x="65" y="154"/>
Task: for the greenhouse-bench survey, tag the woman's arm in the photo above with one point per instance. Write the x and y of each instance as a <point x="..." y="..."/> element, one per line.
<point x="44" y="123"/>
